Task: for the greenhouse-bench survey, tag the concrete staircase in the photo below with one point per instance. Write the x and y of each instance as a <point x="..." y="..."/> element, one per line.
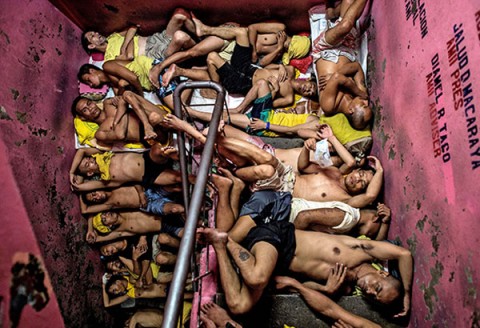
<point x="277" y="310"/>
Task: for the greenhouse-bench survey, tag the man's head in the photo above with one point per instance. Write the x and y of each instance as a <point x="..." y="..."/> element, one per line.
<point x="115" y="266"/>
<point x="116" y="286"/>
<point x="307" y="88"/>
<point x="110" y="219"/>
<point x="359" y="113"/>
<point x="95" y="197"/>
<point x="86" y="109"/>
<point x="88" y="166"/>
<point x="92" y="40"/>
<point x="358" y="180"/>
<point x="90" y="75"/>
<point x="380" y="286"/>
<point x="113" y="248"/>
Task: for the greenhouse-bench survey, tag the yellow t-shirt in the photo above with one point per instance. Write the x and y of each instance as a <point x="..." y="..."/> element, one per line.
<point x="115" y="42"/>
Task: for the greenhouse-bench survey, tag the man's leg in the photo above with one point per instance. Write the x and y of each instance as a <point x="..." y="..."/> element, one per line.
<point x="180" y="18"/>
<point x="240" y="299"/>
<point x="240" y="34"/>
<point x="263" y="164"/>
<point x="224" y="213"/>
<point x="191" y="73"/>
<point x="350" y="12"/>
<point x="260" y="89"/>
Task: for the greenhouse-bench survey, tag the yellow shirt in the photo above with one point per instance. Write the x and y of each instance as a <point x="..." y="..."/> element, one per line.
<point x="114" y="45"/>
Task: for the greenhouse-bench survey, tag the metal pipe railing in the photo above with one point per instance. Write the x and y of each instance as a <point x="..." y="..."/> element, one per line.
<point x="180" y="272"/>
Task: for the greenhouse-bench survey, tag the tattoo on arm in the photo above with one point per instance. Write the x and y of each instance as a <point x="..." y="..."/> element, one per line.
<point x="244" y="256"/>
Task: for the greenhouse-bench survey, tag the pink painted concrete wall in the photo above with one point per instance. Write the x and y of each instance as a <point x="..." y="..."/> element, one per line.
<point x="40" y="55"/>
<point x="425" y="68"/>
<point x="431" y="187"/>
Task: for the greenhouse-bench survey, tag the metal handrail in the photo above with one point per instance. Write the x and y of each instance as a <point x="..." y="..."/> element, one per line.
<point x="180" y="272"/>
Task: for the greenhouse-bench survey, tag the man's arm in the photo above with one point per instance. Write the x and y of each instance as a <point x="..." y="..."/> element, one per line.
<point x="277" y="52"/>
<point x="324" y="305"/>
<point x="114" y="235"/>
<point x="262" y="28"/>
<point x="373" y="188"/>
<point x="122" y="73"/>
<point x="127" y="48"/>
<point x="96" y="208"/>
<point x="386" y="251"/>
<point x="325" y="132"/>
<point x="96" y="184"/>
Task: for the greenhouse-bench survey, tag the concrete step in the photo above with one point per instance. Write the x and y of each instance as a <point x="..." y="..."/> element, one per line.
<point x="277" y="310"/>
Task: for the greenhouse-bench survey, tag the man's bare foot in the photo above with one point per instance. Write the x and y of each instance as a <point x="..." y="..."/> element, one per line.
<point x="150" y="134"/>
<point x="154" y="74"/>
<point x="222" y="183"/>
<point x="217" y="314"/>
<point x="213" y="236"/>
<point x="169" y="75"/>
<point x="238" y="183"/>
<point x="284" y="282"/>
<point x="174" y="122"/>
<point x="207" y="323"/>
<point x="199" y="26"/>
<point x="173" y="208"/>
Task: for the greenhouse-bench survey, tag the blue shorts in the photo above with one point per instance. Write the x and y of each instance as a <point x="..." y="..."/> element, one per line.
<point x="156" y="200"/>
<point x="266" y="205"/>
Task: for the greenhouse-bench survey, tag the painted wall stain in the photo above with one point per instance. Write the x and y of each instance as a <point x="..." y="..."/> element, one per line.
<point x="20" y="142"/>
<point x="21" y="117"/>
<point x="419" y="205"/>
<point x="384" y="65"/>
<point x="5" y="35"/>
<point x="113" y="9"/>
<point x="452" y="276"/>
<point x="412" y="244"/>
<point x="392" y="153"/>
<point x="435" y="244"/>
<point x="429" y="294"/>
<point x="58" y="51"/>
<point x="4" y="115"/>
<point x="421" y="223"/>
<point x="475" y="318"/>
<point x="402" y="159"/>
<point x="15" y="93"/>
<point x="38" y="132"/>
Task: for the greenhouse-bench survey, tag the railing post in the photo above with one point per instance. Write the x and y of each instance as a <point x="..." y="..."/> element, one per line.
<point x="192" y="209"/>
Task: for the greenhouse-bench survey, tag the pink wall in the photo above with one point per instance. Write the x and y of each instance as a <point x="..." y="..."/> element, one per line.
<point x="40" y="57"/>
<point x="433" y="192"/>
<point x="429" y="143"/>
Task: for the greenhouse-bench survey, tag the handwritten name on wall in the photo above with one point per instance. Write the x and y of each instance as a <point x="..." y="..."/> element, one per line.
<point x="417" y="12"/>
<point x="454" y="66"/>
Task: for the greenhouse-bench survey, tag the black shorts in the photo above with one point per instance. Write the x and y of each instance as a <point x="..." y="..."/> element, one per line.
<point x="236" y="77"/>
<point x="281" y="235"/>
<point x="152" y="170"/>
<point x="267" y="205"/>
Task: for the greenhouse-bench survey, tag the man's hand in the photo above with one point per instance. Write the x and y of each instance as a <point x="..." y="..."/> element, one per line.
<point x="91" y="237"/>
<point x="310" y="144"/>
<point x="281" y="37"/>
<point x="406" y="306"/>
<point x="257" y="124"/>
<point x="138" y="251"/>
<point x="325" y="131"/>
<point x="384" y="213"/>
<point x="143" y="200"/>
<point x="341" y="324"/>
<point x="375" y="163"/>
<point x="323" y="80"/>
<point x="274" y="84"/>
<point x="282" y="73"/>
<point x="335" y="279"/>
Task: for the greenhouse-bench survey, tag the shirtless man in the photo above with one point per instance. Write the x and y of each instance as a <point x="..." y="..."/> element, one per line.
<point x="334" y="48"/>
<point x="116" y="124"/>
<point x="153" y="200"/>
<point x="116" y="169"/>
<point x="340" y="218"/>
<point x="276" y="247"/>
<point x="240" y="76"/>
<point x="114" y="225"/>
<point x="266" y="172"/>
<point x="127" y="44"/>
